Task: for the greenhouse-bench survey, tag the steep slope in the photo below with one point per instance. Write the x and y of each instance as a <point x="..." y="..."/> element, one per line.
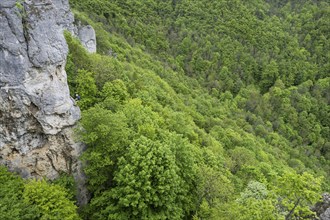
<point x="231" y="98"/>
<point x="190" y="109"/>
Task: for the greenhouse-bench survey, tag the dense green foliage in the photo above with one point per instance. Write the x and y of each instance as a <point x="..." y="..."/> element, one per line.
<point x="204" y="109"/>
<point x="11" y="192"/>
<point x="33" y="199"/>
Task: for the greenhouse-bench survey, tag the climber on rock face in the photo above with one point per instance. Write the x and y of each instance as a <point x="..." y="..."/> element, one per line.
<point x="77" y="97"/>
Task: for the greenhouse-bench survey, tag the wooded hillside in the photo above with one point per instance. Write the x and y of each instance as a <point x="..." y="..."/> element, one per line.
<point x="199" y="109"/>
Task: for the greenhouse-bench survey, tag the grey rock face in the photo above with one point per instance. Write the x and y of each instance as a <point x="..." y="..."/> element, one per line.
<point x="64" y="17"/>
<point x="325" y="211"/>
<point x="7" y="3"/>
<point x="322" y="209"/>
<point x="36" y="110"/>
<point x="325" y="215"/>
<point x="87" y="37"/>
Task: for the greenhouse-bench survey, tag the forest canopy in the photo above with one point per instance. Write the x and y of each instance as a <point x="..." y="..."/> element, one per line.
<point x="208" y="109"/>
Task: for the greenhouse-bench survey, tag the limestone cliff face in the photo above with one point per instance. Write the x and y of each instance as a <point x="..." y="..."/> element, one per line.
<point x="87" y="37"/>
<point x="322" y="208"/>
<point x="36" y="110"/>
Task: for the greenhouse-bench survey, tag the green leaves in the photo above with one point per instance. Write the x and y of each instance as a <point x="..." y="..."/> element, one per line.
<point x="86" y="89"/>
<point x="11" y="204"/>
<point x="107" y="135"/>
<point x="214" y="116"/>
<point x="269" y="75"/>
<point x="147" y="183"/>
<point x="297" y="192"/>
<point x="33" y="199"/>
<point x="51" y="201"/>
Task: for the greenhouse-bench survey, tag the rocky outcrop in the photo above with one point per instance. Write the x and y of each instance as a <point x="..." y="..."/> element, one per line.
<point x="322" y="208"/>
<point x="64" y="17"/>
<point x="87" y="37"/>
<point x="37" y="113"/>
